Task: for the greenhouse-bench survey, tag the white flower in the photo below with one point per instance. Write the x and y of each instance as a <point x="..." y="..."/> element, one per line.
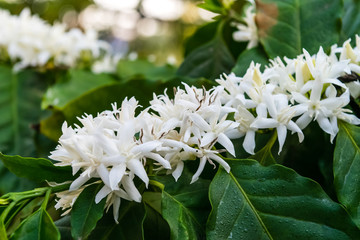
<point x="281" y="117"/>
<point x="247" y="31"/>
<point x="106" y="148"/>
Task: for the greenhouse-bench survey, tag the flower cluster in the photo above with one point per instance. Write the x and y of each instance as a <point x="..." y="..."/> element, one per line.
<point x="115" y="146"/>
<point x="31" y="42"/>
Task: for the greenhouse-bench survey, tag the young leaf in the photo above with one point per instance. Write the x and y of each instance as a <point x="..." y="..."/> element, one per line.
<point x="347" y="169"/>
<point x="36" y="169"/>
<point x="286" y="27"/>
<point x="85" y="212"/>
<point x="185" y="207"/>
<point x="274" y="202"/>
<point x="3" y="234"/>
<point x="39" y="226"/>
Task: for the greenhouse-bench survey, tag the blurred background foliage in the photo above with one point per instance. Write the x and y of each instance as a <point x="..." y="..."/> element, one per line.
<point x="149" y="29"/>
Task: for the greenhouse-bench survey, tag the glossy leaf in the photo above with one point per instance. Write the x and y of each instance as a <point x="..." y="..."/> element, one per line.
<point x="64" y="226"/>
<point x="155" y="227"/>
<point x="185" y="206"/>
<point x="3" y="234"/>
<point x="285" y="27"/>
<point x="209" y="60"/>
<point x="20" y="98"/>
<point x="256" y="55"/>
<point x="36" y="169"/>
<point x="39" y="226"/>
<point x="79" y="82"/>
<point x="347" y="169"/>
<point x="86" y="213"/>
<point x="274" y="202"/>
<point x="141" y="69"/>
<point x="131" y="218"/>
<point x="350" y="20"/>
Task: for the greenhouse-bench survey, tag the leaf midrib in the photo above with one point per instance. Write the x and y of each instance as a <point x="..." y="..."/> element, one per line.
<point x="251" y="205"/>
<point x="185" y="209"/>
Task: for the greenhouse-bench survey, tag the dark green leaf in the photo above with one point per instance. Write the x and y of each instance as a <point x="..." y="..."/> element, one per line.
<point x="131" y="218"/>
<point x="142" y="69"/>
<point x="155" y="227"/>
<point x="350" y="20"/>
<point x="256" y="55"/>
<point x="64" y="226"/>
<point x="274" y="202"/>
<point x="285" y="27"/>
<point x="20" y="98"/>
<point x="36" y="169"/>
<point x="209" y="60"/>
<point x="38" y="226"/>
<point x="185" y="206"/>
<point x="202" y="36"/>
<point x="79" y="82"/>
<point x="86" y="213"/>
<point x="347" y="169"/>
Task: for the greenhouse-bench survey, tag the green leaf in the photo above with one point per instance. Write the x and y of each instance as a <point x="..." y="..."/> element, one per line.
<point x="209" y="60"/>
<point x="347" y="169"/>
<point x="20" y="98"/>
<point x="274" y="202"/>
<point x="185" y="206"/>
<point x="256" y="55"/>
<point x="38" y="226"/>
<point x="350" y="20"/>
<point x="155" y="227"/>
<point x="212" y="5"/>
<point x="264" y="156"/>
<point x="85" y="212"/>
<point x="285" y="27"/>
<point x="64" y="226"/>
<point x="142" y="69"/>
<point x="131" y="218"/>
<point x="202" y="36"/>
<point x="36" y="169"/>
<point x="79" y="82"/>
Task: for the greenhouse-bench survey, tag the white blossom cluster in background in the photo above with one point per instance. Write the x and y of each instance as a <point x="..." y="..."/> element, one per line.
<point x="31" y="42"/>
<point x="247" y="30"/>
<point x="115" y="145"/>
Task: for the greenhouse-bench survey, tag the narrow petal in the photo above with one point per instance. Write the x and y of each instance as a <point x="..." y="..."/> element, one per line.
<point x="104" y="191"/>
<point x="159" y="159"/>
<point x="104" y="174"/>
<point x="249" y="142"/>
<point x="303" y="121"/>
<point x="138" y="169"/>
<point x="131" y="189"/>
<point x="116" y="208"/>
<point x="200" y="122"/>
<point x="79" y="182"/>
<point x="226" y="143"/>
<point x="199" y="170"/>
<point x="221" y="161"/>
<point x="325" y="125"/>
<point x="115" y="176"/>
<point x="281" y="132"/>
<point x="178" y="170"/>
<point x="145" y="147"/>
